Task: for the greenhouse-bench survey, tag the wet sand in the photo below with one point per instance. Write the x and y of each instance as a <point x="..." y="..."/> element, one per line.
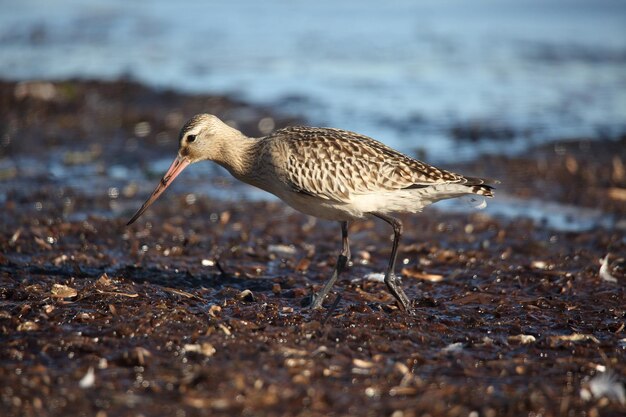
<point x="197" y="308"/>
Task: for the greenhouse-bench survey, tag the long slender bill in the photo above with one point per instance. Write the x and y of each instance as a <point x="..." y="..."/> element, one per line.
<point x="176" y="168"/>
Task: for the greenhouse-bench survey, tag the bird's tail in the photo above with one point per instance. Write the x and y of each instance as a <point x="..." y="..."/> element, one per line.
<point x="481" y="186"/>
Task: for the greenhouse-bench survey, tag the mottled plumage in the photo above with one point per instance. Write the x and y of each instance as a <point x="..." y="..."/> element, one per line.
<point x="325" y="172"/>
<point x="325" y="159"/>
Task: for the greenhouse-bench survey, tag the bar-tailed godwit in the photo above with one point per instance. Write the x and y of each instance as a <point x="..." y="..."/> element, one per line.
<point x="327" y="173"/>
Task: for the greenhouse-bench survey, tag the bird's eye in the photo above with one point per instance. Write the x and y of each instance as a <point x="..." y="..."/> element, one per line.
<point x="191" y="138"/>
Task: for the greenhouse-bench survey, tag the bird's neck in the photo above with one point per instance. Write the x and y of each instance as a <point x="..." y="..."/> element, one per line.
<point x="236" y="153"/>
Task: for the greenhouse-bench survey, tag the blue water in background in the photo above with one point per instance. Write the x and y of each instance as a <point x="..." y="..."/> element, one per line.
<point x="403" y="71"/>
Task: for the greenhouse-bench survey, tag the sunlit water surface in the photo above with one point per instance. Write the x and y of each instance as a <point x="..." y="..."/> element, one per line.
<point x="406" y="72"/>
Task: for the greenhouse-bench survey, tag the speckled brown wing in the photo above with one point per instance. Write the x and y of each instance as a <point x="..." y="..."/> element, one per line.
<point x="334" y="164"/>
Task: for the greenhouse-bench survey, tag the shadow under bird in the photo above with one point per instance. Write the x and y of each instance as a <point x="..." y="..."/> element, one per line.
<point x="328" y="173"/>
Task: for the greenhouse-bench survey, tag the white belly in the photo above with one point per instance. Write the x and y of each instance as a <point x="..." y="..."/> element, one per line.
<point x="385" y="202"/>
<point x="324" y="209"/>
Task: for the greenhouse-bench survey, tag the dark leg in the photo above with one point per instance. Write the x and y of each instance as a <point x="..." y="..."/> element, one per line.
<point x="342" y="262"/>
<point x="390" y="277"/>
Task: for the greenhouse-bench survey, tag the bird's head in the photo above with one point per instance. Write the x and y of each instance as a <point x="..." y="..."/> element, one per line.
<point x="201" y="138"/>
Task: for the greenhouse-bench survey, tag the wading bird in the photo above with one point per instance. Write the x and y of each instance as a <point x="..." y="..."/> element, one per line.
<point x="327" y="173"/>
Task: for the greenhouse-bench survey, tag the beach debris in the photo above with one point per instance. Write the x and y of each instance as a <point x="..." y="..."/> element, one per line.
<point x="604" y="385"/>
<point x="214" y="310"/>
<point x="117" y="293"/>
<point x="282" y="250"/>
<point x="604" y="272"/>
<point x="205" y="348"/>
<point x="574" y="337"/>
<point x="247" y="296"/>
<point x="181" y="293"/>
<point x="522" y="338"/>
<point x="15" y="236"/>
<point x="63" y="291"/>
<point x="374" y="276"/>
<point x="414" y="273"/>
<point x="453" y="348"/>
<point x="361" y="363"/>
<point x="225" y="329"/>
<point x="88" y="380"/>
<point x="27" y="326"/>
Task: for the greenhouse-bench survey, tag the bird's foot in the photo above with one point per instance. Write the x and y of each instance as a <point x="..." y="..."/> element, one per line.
<point x="406" y="309"/>
<point x="398" y="293"/>
<point x="410" y="311"/>
<point x="313" y="301"/>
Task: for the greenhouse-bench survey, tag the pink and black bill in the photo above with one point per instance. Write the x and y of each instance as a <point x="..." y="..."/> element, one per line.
<point x="176" y="168"/>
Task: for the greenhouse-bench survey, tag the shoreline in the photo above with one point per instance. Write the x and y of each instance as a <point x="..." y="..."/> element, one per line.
<point x="125" y="131"/>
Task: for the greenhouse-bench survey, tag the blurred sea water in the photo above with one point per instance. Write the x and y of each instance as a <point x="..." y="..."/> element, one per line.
<point x="417" y="75"/>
